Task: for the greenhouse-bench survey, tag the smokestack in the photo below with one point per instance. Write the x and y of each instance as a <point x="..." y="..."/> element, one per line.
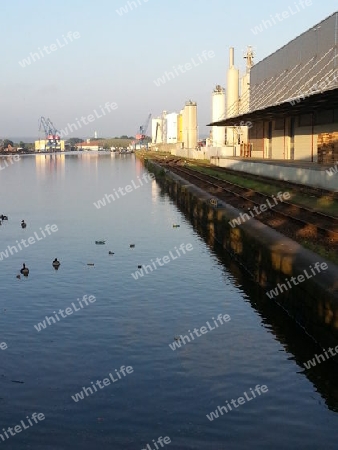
<point x="232" y="58"/>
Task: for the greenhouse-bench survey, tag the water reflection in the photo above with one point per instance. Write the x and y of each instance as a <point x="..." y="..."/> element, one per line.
<point x="291" y="336"/>
<point x="46" y="164"/>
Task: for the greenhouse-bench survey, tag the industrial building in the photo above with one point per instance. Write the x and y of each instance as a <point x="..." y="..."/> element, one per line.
<point x="290" y="100"/>
<point x="47" y="145"/>
<point x="230" y="102"/>
<point x="179" y="129"/>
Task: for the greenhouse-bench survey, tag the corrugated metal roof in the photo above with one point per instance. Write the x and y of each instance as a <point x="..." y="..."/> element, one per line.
<point x="320" y="101"/>
<point x="299" y="77"/>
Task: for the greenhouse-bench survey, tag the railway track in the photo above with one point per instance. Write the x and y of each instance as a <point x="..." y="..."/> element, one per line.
<point x="306" y="223"/>
<point x="308" y="190"/>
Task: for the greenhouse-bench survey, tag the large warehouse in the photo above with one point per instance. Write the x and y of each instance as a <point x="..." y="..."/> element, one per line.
<point x="293" y="99"/>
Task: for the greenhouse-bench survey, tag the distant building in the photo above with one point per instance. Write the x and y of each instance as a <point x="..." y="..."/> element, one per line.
<point x="44" y="145"/>
<point x="89" y="145"/>
<point x="159" y="129"/>
<point x="173" y="128"/>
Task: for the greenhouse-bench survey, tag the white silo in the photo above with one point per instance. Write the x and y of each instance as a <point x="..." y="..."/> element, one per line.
<point x="218" y="113"/>
<point x="185" y="121"/>
<point x="232" y="95"/>
<point x="172" y="128"/>
<point x="190" y="125"/>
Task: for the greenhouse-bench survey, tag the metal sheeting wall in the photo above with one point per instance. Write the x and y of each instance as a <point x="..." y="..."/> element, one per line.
<point x="306" y="65"/>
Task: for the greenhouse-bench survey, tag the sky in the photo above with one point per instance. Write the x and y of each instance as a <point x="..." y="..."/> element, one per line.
<point x="97" y="64"/>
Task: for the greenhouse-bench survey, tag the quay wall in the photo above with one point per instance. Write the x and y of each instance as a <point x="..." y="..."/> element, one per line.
<point x="269" y="257"/>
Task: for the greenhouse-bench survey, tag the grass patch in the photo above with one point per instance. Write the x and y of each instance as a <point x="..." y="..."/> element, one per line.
<point x="324" y="204"/>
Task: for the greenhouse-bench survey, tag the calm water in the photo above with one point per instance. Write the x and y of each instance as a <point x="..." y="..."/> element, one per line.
<point x="133" y="322"/>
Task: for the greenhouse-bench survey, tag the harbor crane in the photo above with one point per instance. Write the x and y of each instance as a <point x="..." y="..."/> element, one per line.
<point x="52" y="135"/>
<point x="143" y="130"/>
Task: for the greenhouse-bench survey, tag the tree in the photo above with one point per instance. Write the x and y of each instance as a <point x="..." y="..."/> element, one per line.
<point x="7" y="142"/>
<point x="74" y="141"/>
<point x="22" y="145"/>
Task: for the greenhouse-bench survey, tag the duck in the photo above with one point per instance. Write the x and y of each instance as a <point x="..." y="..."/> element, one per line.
<point x="23" y="224"/>
<point x="2" y="217"/>
<point x="139" y="266"/>
<point x="132" y="245"/>
<point x="56" y="263"/>
<point x="24" y="270"/>
<point x="111" y="253"/>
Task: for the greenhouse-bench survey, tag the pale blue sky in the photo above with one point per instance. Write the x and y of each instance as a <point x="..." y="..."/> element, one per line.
<point x="118" y="57"/>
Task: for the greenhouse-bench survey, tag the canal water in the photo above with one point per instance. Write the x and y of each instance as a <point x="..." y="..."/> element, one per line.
<point x="115" y="368"/>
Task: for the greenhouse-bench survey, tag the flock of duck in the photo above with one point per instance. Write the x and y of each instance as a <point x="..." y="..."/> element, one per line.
<point x="56" y="263"/>
<point x="24" y="270"/>
<point x="110" y="252"/>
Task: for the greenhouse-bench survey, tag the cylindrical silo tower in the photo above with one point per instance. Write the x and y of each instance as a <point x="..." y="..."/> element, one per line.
<point x="185" y="123"/>
<point x="232" y="87"/>
<point x="232" y="95"/>
<point x="190" y="124"/>
<point x="218" y="113"/>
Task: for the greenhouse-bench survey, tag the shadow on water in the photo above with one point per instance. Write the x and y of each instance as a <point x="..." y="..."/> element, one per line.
<point x="299" y="346"/>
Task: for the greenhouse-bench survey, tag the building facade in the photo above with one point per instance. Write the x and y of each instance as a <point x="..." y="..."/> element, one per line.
<point x="293" y="98"/>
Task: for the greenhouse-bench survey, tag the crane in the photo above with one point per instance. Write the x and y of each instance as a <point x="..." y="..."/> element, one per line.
<point x="52" y="135"/>
<point x="143" y="130"/>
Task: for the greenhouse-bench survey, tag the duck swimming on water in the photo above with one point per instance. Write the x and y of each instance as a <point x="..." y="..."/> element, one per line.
<point x="24" y="270"/>
<point x="56" y="264"/>
<point x="23" y="224"/>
